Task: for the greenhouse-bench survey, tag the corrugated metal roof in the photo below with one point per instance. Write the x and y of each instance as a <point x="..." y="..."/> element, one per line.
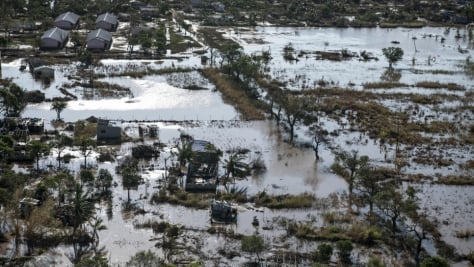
<point x="99" y="34"/>
<point x="68" y="16"/>
<point x="108" y="17"/>
<point x="56" y="34"/>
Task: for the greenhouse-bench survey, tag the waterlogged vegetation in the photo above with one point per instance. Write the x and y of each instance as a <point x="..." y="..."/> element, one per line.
<point x="334" y="146"/>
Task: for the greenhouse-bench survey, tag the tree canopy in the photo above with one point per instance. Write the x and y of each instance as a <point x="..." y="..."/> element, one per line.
<point x="58" y="106"/>
<point x="393" y="54"/>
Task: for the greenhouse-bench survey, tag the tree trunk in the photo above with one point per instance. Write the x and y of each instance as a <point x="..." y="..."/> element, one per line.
<point x="394" y="223"/>
<point x="37" y="166"/>
<point x="59" y="160"/>
<point x="316" y="150"/>
<point x="350" y="195"/>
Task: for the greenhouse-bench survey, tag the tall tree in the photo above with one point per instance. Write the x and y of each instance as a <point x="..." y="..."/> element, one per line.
<point x="185" y="152"/>
<point x="348" y="165"/>
<point x="104" y="180"/>
<point x="390" y="202"/>
<point x="294" y="108"/>
<point x="38" y="149"/>
<point x="319" y="137"/>
<point x="82" y="209"/>
<point x="393" y="55"/>
<point x="59" y="145"/>
<point x="86" y="146"/>
<point x="60" y="181"/>
<point x="130" y="180"/>
<point x="6" y="147"/>
<point x="12" y="99"/>
<point x="369" y="183"/>
<point x="235" y="166"/>
<point x="86" y="176"/>
<point x="230" y="52"/>
<point x="38" y="225"/>
<point x="58" y="106"/>
<point x="96" y="224"/>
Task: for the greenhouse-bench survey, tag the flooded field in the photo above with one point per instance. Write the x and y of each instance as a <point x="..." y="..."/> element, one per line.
<point x="430" y="54"/>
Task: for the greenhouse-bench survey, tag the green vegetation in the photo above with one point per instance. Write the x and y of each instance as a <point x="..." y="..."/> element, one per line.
<point x="434" y="262"/>
<point x="231" y="91"/>
<point x="12" y="99"/>
<point x="344" y="251"/>
<point x="383" y="85"/>
<point x="436" y="85"/>
<point x="304" y="200"/>
<point x="181" y="197"/>
<point x="393" y="55"/>
<point x="58" y="106"/>
<point x="253" y="244"/>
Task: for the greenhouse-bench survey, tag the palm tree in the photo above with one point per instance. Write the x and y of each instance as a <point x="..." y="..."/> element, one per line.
<point x="104" y="180"/>
<point x="58" y="106"/>
<point x="6" y="147"/>
<point x="86" y="145"/>
<point x="60" y="181"/>
<point x="82" y="210"/>
<point x="37" y="149"/>
<point x="97" y="225"/>
<point x="235" y="166"/>
<point x="185" y="153"/>
<point x="130" y="179"/>
<point x="60" y="145"/>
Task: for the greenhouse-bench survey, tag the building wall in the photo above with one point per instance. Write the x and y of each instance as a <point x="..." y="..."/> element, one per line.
<point x="65" y="25"/>
<point x="108" y="134"/>
<point x="48" y="43"/>
<point x="97" y="44"/>
<point x="105" y="25"/>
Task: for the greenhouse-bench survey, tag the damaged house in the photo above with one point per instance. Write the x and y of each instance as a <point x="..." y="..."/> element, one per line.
<point x="108" y="132"/>
<point x="203" y="167"/>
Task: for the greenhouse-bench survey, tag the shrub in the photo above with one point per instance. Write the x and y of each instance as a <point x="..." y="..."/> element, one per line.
<point x="345" y="248"/>
<point x="324" y="253"/>
<point x="375" y="262"/>
<point x="434" y="262"/>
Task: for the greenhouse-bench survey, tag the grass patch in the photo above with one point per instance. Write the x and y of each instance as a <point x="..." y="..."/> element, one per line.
<point x="444" y="72"/>
<point x="180" y="197"/>
<point x="180" y="43"/>
<point x="149" y="71"/>
<point x="469" y="165"/>
<point x="438" y="85"/>
<point x="336" y="218"/>
<point x="286" y="201"/>
<point x="425" y="99"/>
<point x="383" y="85"/>
<point x="214" y="38"/>
<point x="404" y="24"/>
<point x="456" y="180"/>
<point x="157" y="227"/>
<point x="85" y="129"/>
<point x="235" y="95"/>
<point x="465" y="233"/>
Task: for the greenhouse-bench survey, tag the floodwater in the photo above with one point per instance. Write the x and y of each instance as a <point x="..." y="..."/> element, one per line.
<point x="307" y="70"/>
<point x="204" y="115"/>
<point x="289" y="170"/>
